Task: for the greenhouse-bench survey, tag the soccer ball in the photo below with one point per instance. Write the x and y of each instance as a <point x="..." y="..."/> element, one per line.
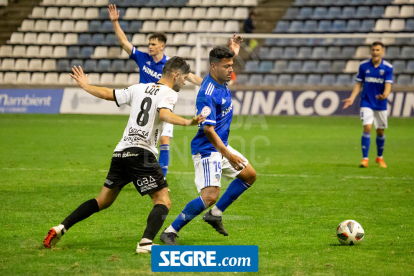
<point x="350" y="232"/>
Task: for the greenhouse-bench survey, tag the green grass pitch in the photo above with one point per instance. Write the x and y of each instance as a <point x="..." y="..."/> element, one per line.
<point x="308" y="182"/>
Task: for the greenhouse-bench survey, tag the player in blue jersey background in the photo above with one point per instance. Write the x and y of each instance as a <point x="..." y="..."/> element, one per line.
<point x="375" y="77"/>
<point x="150" y="70"/>
<point x="213" y="157"/>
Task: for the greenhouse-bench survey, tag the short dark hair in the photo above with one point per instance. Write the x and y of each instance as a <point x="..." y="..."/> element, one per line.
<point x="376" y="43"/>
<point x="160" y="36"/>
<point x="220" y="52"/>
<point x="176" y="64"/>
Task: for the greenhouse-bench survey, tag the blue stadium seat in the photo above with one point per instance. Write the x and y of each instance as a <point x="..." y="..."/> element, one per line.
<point x="309" y="66"/>
<point x="284" y="41"/>
<point x="103" y="65"/>
<point x="103" y="13"/>
<point x="97" y="39"/>
<point x="89" y="65"/>
<point x="284" y="79"/>
<point x="281" y="27"/>
<point x="377" y="11"/>
<point x="294" y="66"/>
<point x="290" y="52"/>
<point x="324" y="66"/>
<point x="301" y="2"/>
<point x="62" y="65"/>
<point x="298" y="42"/>
<point x="154" y="3"/>
<point x="77" y="62"/>
<point x="128" y="3"/>
<point x="338" y="26"/>
<point x="362" y="12"/>
<point x="268" y="41"/>
<point x="86" y="52"/>
<point x="73" y="51"/>
<point x="135" y="26"/>
<point x="242" y="79"/>
<point x="304" y="52"/>
<point x="263" y="52"/>
<point x="320" y="13"/>
<point x="333" y="52"/>
<point x="111" y="39"/>
<point x="357" y="2"/>
<point x="117" y="65"/>
<point x="348" y="12"/>
<point x="393" y="52"/>
<point x="318" y="52"/>
<point x="410" y="66"/>
<point x="324" y="26"/>
<point x="276" y="52"/>
<point x="291" y="13"/>
<point x="84" y="39"/>
<point x="343" y="80"/>
<point x="299" y="79"/>
<point x="407" y="52"/>
<point x="310" y="26"/>
<point x="107" y="27"/>
<point x="402" y="40"/>
<point x="179" y="2"/>
<point x="334" y="12"/>
<point x="328" y="79"/>
<point x="305" y="13"/>
<point x="367" y="25"/>
<point x="280" y="66"/>
<point x="314" y="79"/>
<point x="409" y="25"/>
<point x="403" y="79"/>
<point x="353" y="26"/>
<point x="266" y="67"/>
<point x="255" y="79"/>
<point x="252" y="66"/>
<point x="130" y="66"/>
<point x="295" y="27"/>
<point x="167" y="3"/>
<point x="328" y="2"/>
<point x="116" y="2"/>
<point x="124" y="25"/>
<point x="338" y="66"/>
<point x="270" y="79"/>
<point x="94" y="26"/>
<point x="398" y="66"/>
<point x="315" y="2"/>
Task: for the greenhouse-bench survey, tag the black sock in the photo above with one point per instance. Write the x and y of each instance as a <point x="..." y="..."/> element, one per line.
<point x="82" y="212"/>
<point x="155" y="221"/>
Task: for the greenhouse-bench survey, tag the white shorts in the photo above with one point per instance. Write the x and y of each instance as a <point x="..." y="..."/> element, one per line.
<point x="167" y="130"/>
<point x="378" y="117"/>
<point x="208" y="171"/>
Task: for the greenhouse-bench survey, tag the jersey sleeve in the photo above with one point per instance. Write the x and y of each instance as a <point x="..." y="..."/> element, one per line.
<point x="206" y="106"/>
<point x="360" y="77"/>
<point x="168" y="101"/>
<point x="123" y="96"/>
<point x="388" y="75"/>
<point x="139" y="57"/>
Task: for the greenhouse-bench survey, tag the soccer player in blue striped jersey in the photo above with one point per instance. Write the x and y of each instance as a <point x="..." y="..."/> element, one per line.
<point x="150" y="70"/>
<point x="375" y="77"/>
<point x="213" y="157"/>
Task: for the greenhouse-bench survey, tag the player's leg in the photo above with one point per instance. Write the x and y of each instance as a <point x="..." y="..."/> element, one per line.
<point x="104" y="200"/>
<point x="164" y="157"/>
<point x="367" y="118"/>
<point x="381" y="123"/>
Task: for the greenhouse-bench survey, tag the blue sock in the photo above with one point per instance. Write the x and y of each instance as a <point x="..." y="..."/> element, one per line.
<point x="164" y="158"/>
<point x="235" y="189"/>
<point x="191" y="210"/>
<point x="365" y="141"/>
<point x="380" y="145"/>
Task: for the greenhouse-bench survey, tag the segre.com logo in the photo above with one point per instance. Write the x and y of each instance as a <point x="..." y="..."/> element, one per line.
<point x="205" y="258"/>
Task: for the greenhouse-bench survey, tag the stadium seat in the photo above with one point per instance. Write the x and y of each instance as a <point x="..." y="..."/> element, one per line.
<point x="310" y="26"/>
<point x="314" y="79"/>
<point x="284" y="79"/>
<point x="333" y="52"/>
<point x="131" y="13"/>
<point x="186" y="13"/>
<point x="51" y="78"/>
<point x="37" y="78"/>
<point x="409" y="25"/>
<point x="86" y="52"/>
<point x="407" y="52"/>
<point x="46" y="51"/>
<point x="133" y="78"/>
<point x="231" y="26"/>
<point x="94" y="78"/>
<point x="16" y="38"/>
<point x="172" y="13"/>
<point x="80" y="26"/>
<point x="10" y="77"/>
<point x="363" y="52"/>
<point x="334" y="12"/>
<point x="270" y="80"/>
<point x="397" y="25"/>
<point x="362" y="12"/>
<point x="348" y="12"/>
<point x="263" y="53"/>
<point x="367" y="25"/>
<point x="130" y="66"/>
<point x="148" y="26"/>
<point x="294" y="66"/>
<point x="410" y="66"/>
<point x="338" y="26"/>
<point x="69" y="25"/>
<point x="213" y="13"/>
<point x="54" y="26"/>
<point x="51" y="12"/>
<point x="57" y="38"/>
<point x="84" y="39"/>
<point x="62" y="65"/>
<point x="6" y="51"/>
<point x="392" y="52"/>
<point x="353" y="26"/>
<point x="117" y="66"/>
<point x="352" y="66"/>
<point x="19" y="51"/>
<point x="398" y="66"/>
<point x="154" y="3"/>
<point x="35" y="64"/>
<point x="271" y="41"/>
<point x="324" y="26"/>
<point x="217" y="26"/>
<point x="407" y="11"/>
<point x="403" y="79"/>
<point x="100" y="52"/>
<point x="343" y="80"/>
<point x="328" y="79"/>
<point x="199" y="13"/>
<point x="65" y="79"/>
<point x="23" y="78"/>
<point x="290" y="52"/>
<point x="38" y="12"/>
<point x="121" y="79"/>
<point x="276" y="52"/>
<point x="242" y="79"/>
<point x="309" y="66"/>
<point x="280" y="66"/>
<point x="291" y="13"/>
<point x="255" y="80"/>
<point x="338" y="66"/>
<point x="266" y="67"/>
<point x="91" y="13"/>
<point x="104" y="65"/>
<point x="304" y="13"/>
<point x="79" y="13"/>
<point x="295" y="27"/>
<point x="318" y="52"/>
<point x="114" y="52"/>
<point x="90" y="65"/>
<point x="281" y="27"/>
<point x="32" y="51"/>
<point x="7" y="64"/>
<point x="49" y="65"/>
<point x="60" y="51"/>
<point x="76" y="62"/>
<point x="320" y="13"/>
<point x="324" y="66"/>
<point x="135" y="26"/>
<point x="96" y="26"/>
<point x="382" y="25"/>
<point x="252" y="66"/>
<point x="392" y="11"/>
<point x="377" y="11"/>
<point x="41" y="25"/>
<point x="348" y="52"/>
<point x="21" y="64"/>
<point x="65" y="12"/>
<point x="97" y="39"/>
<point x="158" y="13"/>
<point x="111" y="39"/>
<point x="103" y="13"/>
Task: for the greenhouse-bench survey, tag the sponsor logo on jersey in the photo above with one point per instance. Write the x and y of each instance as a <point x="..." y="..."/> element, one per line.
<point x="382" y="71"/>
<point x="205" y="111"/>
<point x="374" y="80"/>
<point x="151" y="72"/>
<point x="116" y="154"/>
<point x="128" y="154"/>
<point x="218" y="177"/>
<point x="137" y="132"/>
<point x="227" y="111"/>
<point x="223" y="101"/>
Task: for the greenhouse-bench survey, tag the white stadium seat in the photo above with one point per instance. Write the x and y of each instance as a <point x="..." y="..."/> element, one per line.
<point x="352" y="66"/>
<point x="199" y="13"/>
<point x="362" y="52"/>
<point x="91" y="13"/>
<point x="10" y="77"/>
<point x="163" y="26"/>
<point x="19" y="51"/>
<point x="237" y="3"/>
<point x="226" y="13"/>
<point x="51" y="12"/>
<point x="75" y="2"/>
<point x="35" y="64"/>
<point x="184" y="52"/>
<point x="176" y="26"/>
<point x="148" y="26"/>
<point x="145" y="13"/>
<point x="27" y="25"/>
<point x="38" y="12"/>
<point x="6" y="50"/>
<point x="94" y="78"/>
<point x="16" y="38"/>
<point x="30" y="38"/>
<point x="172" y="13"/>
<point x="249" y="3"/>
<point x="121" y="79"/>
<point x="54" y="26"/>
<point x="397" y="25"/>
<point x="41" y="25"/>
<point x="217" y="26"/>
<point x="382" y="25"/>
<point x="81" y="26"/>
<point x="124" y="55"/>
<point x="132" y="13"/>
<point x="170" y="51"/>
<point x="208" y="3"/>
<point x="139" y="39"/>
<point x="64" y="78"/>
<point x="51" y="78"/>
<point x="179" y="39"/>
<point x="78" y="13"/>
<point x="186" y="13"/>
<point x="133" y="78"/>
<point x="107" y="78"/>
<point x="100" y="52"/>
<point x="42" y="38"/>
<point x="46" y="51"/>
<point x="62" y="2"/>
<point x="190" y="26"/>
<point x="392" y="11"/>
<point x="89" y="3"/>
<point x="213" y="13"/>
<point x="71" y="39"/>
<point x="203" y="26"/>
<point x="69" y="25"/>
<point x="48" y="3"/>
<point x="407" y="11"/>
<point x="60" y="51"/>
<point x="23" y="78"/>
<point x="231" y="27"/>
<point x="158" y="13"/>
<point x="194" y="3"/>
<point x="37" y="78"/>
<point x="65" y="12"/>
<point x="49" y="65"/>
<point x="57" y="38"/>
<point x="101" y="2"/>
<point x="114" y="52"/>
<point x="241" y="13"/>
<point x="21" y="64"/>
<point x="7" y="64"/>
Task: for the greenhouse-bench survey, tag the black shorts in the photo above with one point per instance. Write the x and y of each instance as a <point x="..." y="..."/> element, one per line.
<point x="136" y="165"/>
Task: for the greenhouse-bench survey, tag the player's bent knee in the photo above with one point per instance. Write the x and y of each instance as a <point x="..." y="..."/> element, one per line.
<point x="103" y="204"/>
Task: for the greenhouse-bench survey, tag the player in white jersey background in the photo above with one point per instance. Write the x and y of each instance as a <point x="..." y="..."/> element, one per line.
<point x="134" y="159"/>
<point x="375" y="77"/>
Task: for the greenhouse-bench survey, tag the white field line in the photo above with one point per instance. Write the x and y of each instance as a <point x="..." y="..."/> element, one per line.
<point x="260" y="174"/>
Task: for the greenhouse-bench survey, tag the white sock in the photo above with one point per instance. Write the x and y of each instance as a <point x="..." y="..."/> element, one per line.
<point x="62" y="228"/>
<point x="145" y="240"/>
<point x="216" y="211"/>
<point x="170" y="229"/>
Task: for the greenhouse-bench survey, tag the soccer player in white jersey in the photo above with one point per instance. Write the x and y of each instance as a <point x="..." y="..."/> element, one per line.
<point x="213" y="157"/>
<point x="134" y="159"/>
<point x="150" y="68"/>
<point x="375" y="77"/>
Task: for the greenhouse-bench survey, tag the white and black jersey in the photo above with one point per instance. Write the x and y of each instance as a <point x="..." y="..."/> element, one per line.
<point x="144" y="124"/>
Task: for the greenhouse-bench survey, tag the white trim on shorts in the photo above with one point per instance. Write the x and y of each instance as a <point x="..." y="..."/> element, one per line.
<point x="168" y="130"/>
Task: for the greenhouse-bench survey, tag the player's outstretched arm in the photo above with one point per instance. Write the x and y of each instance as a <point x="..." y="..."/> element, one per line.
<point x="196" y="80"/>
<point x="236" y="161"/>
<point x="234" y="44"/>
<point x="348" y="102"/>
<point x="167" y="116"/>
<point x="123" y="40"/>
<point x="83" y="82"/>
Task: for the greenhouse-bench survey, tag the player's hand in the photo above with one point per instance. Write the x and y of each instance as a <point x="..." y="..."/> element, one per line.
<point x="347" y="102"/>
<point x="79" y="76"/>
<point x="113" y="13"/>
<point x="380" y="97"/>
<point x="196" y="120"/>
<point x="236" y="161"/>
<point x="234" y="43"/>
